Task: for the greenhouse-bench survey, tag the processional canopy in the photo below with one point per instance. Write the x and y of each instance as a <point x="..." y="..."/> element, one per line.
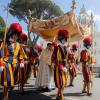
<point x="49" y="28"/>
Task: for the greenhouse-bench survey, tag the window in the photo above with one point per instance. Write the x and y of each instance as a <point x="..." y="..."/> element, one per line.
<point x="99" y="51"/>
<point x="95" y="52"/>
<point x="95" y="43"/>
<point x="80" y="45"/>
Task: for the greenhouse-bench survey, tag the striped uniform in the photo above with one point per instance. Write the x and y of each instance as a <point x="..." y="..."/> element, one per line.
<point x="59" y="56"/>
<point x="73" y="60"/>
<point x="12" y="55"/>
<point x="1" y="59"/>
<point x="34" y="61"/>
<point x="87" y="61"/>
<point x="24" y="73"/>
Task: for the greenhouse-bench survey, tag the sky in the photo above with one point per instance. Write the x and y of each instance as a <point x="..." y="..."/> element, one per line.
<point x="65" y="5"/>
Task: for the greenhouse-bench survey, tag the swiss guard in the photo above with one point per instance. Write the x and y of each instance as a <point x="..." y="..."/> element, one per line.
<point x="60" y="65"/>
<point x="25" y="72"/>
<point x="73" y="61"/>
<point x="36" y="59"/>
<point x="1" y="53"/>
<point x="87" y="64"/>
<point x="13" y="57"/>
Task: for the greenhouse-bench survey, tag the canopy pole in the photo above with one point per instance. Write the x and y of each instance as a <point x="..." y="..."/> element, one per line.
<point x="29" y="26"/>
<point x="5" y="31"/>
<point x="92" y="30"/>
<point x="29" y="18"/>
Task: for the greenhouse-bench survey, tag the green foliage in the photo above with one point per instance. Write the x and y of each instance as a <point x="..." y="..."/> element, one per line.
<point x="2" y="23"/>
<point x="41" y="9"/>
<point x="2" y="27"/>
<point x="2" y="32"/>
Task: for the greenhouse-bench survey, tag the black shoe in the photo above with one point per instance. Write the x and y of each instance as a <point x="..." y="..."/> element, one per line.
<point x="39" y="89"/>
<point x="71" y="85"/>
<point x="84" y="91"/>
<point x="53" y="88"/>
<point x="57" y="98"/>
<point x="22" y="93"/>
<point x="89" y="94"/>
<point x="47" y="89"/>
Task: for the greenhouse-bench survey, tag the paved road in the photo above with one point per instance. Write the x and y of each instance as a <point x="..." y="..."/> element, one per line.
<point x="70" y="93"/>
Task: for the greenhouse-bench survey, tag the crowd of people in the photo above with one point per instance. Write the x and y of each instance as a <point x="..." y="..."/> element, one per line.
<point x="51" y="66"/>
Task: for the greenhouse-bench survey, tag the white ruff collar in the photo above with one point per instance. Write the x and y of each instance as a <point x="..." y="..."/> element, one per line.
<point x="23" y="45"/>
<point x="11" y="40"/>
<point x="88" y="50"/>
<point x="63" y="45"/>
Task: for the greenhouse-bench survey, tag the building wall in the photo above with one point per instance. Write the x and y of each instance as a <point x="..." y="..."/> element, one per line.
<point x="97" y="47"/>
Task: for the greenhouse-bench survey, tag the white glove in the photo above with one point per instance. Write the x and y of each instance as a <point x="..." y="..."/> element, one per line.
<point x="27" y="50"/>
<point x="26" y="62"/>
<point x="92" y="65"/>
<point x="1" y="68"/>
<point x="53" y="65"/>
<point x="64" y="69"/>
<point x="21" y="65"/>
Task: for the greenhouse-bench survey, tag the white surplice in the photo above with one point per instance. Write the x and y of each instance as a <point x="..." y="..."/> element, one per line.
<point x="45" y="74"/>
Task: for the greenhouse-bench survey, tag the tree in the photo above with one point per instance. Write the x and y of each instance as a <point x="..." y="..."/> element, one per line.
<point x="2" y="27"/>
<point x="2" y="23"/>
<point x="41" y="9"/>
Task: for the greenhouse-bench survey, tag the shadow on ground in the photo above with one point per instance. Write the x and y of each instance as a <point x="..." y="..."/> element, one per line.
<point x="78" y="94"/>
<point x="28" y="95"/>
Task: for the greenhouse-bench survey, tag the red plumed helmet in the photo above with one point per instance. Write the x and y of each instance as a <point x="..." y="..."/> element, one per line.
<point x="63" y="32"/>
<point x="23" y="36"/>
<point x="74" y="46"/>
<point x="39" y="47"/>
<point x="87" y="40"/>
<point x="15" y="26"/>
<point x="54" y="43"/>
